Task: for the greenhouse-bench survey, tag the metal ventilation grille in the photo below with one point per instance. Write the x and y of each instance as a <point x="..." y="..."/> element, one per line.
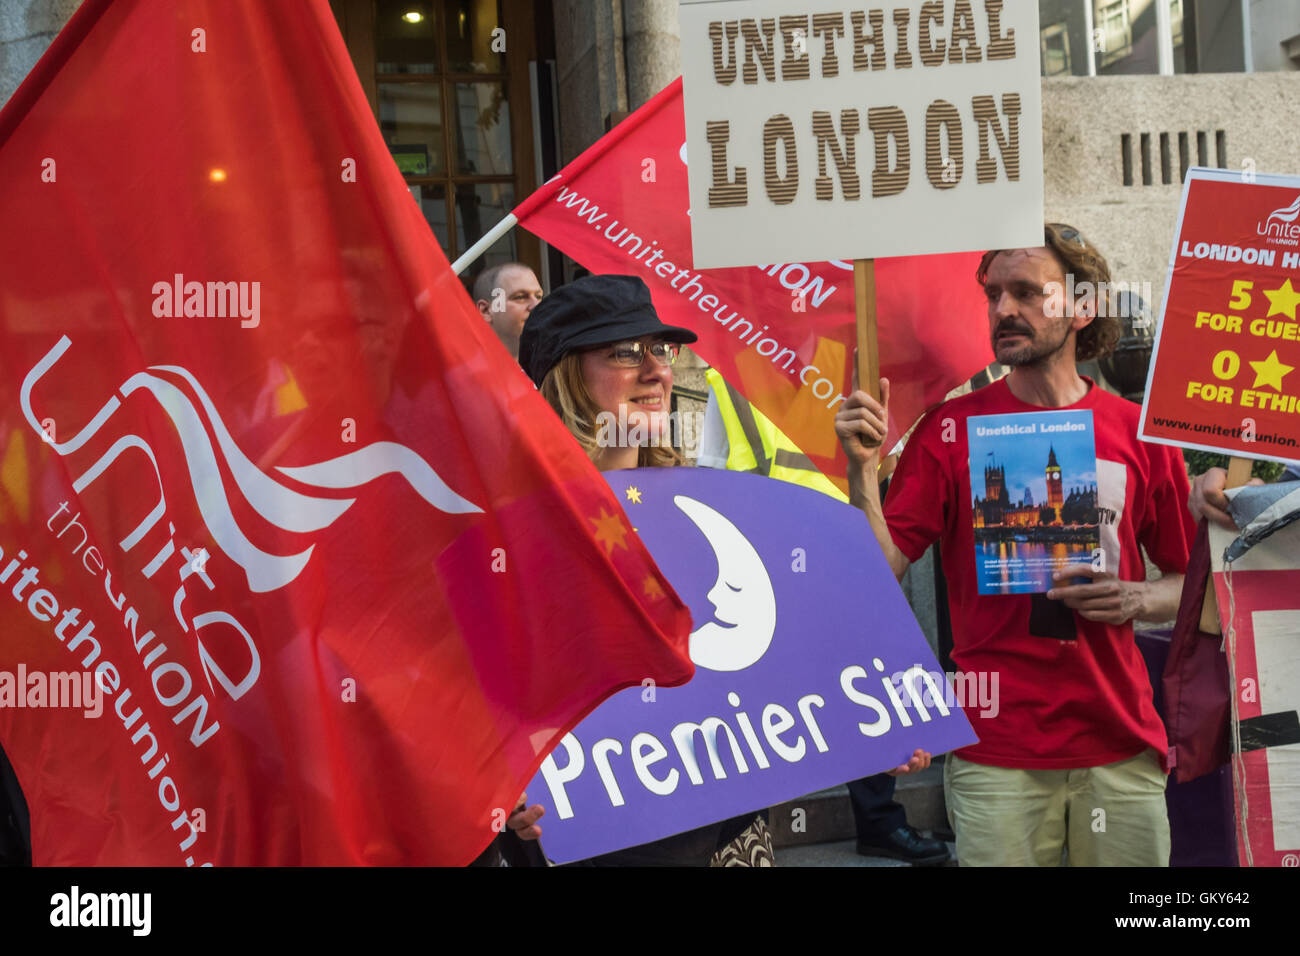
<point x="1147" y="163"/>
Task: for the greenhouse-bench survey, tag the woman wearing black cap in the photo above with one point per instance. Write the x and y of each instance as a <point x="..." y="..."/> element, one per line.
<point x="602" y="358"/>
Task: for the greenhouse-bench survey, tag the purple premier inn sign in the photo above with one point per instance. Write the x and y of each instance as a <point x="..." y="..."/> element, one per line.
<point x="810" y="669"/>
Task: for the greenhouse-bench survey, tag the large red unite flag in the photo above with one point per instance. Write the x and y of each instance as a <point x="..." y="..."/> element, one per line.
<point x="341" y="575"/>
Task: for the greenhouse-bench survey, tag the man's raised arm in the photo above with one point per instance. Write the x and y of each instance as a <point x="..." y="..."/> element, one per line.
<point x="861" y="424"/>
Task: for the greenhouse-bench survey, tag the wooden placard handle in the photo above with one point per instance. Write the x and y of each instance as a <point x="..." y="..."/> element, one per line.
<point x="1238" y="474"/>
<point x="864" y="307"/>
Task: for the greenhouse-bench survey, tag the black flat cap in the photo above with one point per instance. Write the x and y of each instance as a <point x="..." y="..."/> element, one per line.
<point x="593" y="310"/>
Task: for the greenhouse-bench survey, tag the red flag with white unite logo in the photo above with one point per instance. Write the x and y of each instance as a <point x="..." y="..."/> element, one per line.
<point x="342" y="576"/>
<point x="783" y="334"/>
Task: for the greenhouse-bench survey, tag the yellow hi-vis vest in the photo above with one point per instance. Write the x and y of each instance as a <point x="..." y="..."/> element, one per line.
<point x="755" y="444"/>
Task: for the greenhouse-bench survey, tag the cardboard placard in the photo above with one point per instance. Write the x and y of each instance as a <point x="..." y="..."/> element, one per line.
<point x="1223" y="373"/>
<point x="853" y="133"/>
<point x="810" y="669"/>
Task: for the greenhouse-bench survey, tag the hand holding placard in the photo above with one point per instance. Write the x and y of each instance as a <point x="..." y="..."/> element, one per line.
<point x="862" y="423"/>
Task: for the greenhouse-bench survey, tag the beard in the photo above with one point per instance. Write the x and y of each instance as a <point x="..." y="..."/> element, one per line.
<point x="1041" y="347"/>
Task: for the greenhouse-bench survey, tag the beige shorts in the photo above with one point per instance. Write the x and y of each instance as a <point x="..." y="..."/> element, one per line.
<point x="1113" y="815"/>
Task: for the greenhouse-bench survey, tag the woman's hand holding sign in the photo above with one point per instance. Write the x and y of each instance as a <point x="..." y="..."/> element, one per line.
<point x="524" y="819"/>
<point x="920" y="760"/>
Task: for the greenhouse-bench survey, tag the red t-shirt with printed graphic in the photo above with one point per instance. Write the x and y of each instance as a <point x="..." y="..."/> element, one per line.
<point x="1058" y="703"/>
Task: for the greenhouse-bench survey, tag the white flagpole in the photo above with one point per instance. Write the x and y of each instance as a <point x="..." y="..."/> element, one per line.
<point x="480" y="247"/>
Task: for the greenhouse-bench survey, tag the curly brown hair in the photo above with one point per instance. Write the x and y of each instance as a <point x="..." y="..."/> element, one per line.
<point x="1078" y="258"/>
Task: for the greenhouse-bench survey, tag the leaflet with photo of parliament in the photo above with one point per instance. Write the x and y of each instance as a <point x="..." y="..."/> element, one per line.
<point x="1033" y="478"/>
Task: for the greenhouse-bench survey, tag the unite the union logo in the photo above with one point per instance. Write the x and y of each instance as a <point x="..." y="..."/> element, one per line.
<point x="1280" y="226"/>
<point x="192" y="414"/>
<point x="274" y="501"/>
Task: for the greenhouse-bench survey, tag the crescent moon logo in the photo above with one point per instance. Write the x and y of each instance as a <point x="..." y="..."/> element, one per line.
<point x="743" y="601"/>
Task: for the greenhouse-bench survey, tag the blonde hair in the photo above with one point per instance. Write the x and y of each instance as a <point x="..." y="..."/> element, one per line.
<point x="567" y="393"/>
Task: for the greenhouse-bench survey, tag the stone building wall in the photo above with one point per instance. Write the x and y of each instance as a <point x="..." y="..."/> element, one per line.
<point x="27" y="27"/>
<point x="1246" y="121"/>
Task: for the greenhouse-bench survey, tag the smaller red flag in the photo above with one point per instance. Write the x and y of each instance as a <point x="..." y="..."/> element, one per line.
<point x="783" y="334"/>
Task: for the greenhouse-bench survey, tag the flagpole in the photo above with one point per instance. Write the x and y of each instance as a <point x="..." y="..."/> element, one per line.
<point x="482" y="246"/>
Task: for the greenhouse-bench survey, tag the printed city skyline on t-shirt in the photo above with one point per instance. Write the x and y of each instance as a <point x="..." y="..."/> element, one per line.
<point x="1033" y="479"/>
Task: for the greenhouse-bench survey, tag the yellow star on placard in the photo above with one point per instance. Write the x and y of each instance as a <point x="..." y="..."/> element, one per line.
<point x="610" y="531"/>
<point x="634" y="494"/>
<point x="1283" y="300"/>
<point x="1270" y="372"/>
<point x="652" y="588"/>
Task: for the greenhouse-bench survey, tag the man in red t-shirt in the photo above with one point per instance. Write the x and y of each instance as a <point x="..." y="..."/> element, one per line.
<point x="1072" y="755"/>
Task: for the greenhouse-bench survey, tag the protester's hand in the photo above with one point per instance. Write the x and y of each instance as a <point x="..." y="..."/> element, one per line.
<point x="862" y="424"/>
<point x="524" y="820"/>
<point x="920" y="760"/>
<point x="1207" y="499"/>
<point x="1105" y="598"/>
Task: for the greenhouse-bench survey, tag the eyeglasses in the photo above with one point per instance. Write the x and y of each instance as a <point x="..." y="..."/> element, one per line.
<point x="632" y="353"/>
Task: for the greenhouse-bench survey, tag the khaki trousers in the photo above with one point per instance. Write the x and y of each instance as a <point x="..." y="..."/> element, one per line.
<point x="1113" y="815"/>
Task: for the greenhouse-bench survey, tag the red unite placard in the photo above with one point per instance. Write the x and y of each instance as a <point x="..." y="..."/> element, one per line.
<point x="1223" y="376"/>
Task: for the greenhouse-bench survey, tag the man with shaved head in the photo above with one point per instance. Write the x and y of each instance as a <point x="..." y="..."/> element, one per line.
<point x="505" y="295"/>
